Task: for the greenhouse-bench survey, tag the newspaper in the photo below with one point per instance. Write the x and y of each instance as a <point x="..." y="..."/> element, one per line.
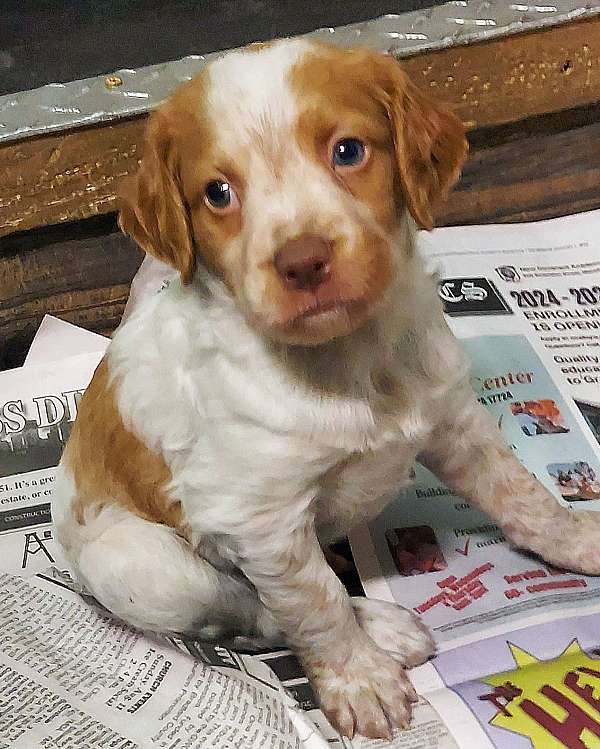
<point x="97" y="683"/>
<point x="519" y="650"/>
<point x="57" y="339"/>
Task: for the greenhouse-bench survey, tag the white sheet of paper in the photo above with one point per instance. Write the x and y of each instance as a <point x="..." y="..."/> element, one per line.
<point x="57" y="339"/>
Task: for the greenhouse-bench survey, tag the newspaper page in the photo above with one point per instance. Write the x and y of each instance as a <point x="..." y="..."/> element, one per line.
<point x="528" y="317"/>
<point x="539" y="280"/>
<point x="38" y="405"/>
<point x="56" y="340"/>
<point x="431" y="551"/>
<point x="533" y="688"/>
<point x="71" y="676"/>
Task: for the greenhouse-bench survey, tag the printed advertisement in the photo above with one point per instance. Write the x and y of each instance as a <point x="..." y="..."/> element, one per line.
<point x="518" y="639"/>
<point x="545" y="692"/>
<point x="541" y="280"/>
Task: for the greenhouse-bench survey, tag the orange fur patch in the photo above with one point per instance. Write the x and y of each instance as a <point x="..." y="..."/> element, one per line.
<point x="368" y="94"/>
<point x="203" y="159"/>
<point x="163" y="207"/>
<point x="111" y="465"/>
<point x="337" y="93"/>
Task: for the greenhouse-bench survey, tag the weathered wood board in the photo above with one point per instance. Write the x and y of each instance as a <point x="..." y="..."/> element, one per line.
<point x="535" y="169"/>
<point x="80" y="272"/>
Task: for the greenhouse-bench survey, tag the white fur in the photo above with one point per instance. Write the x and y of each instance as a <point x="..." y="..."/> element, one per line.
<point x="240" y="434"/>
<point x="149" y="576"/>
<point x="249" y="90"/>
<point x="394" y="629"/>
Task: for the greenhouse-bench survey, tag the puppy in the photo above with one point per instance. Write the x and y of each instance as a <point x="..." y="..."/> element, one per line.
<point x="282" y="389"/>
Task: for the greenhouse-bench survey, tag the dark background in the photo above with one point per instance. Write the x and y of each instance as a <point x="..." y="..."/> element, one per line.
<point x="47" y="41"/>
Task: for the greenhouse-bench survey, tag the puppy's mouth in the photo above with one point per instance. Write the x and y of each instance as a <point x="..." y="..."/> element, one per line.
<point x="319" y="309"/>
<point x="321" y="320"/>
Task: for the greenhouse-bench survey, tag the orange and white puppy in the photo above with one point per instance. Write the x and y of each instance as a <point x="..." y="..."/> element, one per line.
<point x="283" y="387"/>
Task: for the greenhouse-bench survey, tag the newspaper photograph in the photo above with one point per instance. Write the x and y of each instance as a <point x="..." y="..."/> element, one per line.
<point x="518" y="663"/>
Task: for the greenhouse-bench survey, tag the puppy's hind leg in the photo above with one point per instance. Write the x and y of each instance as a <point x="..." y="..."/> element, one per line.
<point x="151" y="578"/>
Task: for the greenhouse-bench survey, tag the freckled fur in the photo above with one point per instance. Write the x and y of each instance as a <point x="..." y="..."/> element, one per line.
<point x="213" y="452"/>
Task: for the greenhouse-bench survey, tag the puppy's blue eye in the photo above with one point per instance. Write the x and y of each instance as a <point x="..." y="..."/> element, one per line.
<point x="348" y="152"/>
<point x="219" y="194"/>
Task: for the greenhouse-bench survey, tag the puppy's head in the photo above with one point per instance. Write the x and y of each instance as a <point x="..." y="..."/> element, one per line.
<point x="286" y="169"/>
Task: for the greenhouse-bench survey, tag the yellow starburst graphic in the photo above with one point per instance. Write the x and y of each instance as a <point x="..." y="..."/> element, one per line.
<point x="555" y="703"/>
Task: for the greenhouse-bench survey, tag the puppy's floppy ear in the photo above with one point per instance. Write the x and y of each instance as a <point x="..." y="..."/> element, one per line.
<point x="153" y="211"/>
<point x="430" y="142"/>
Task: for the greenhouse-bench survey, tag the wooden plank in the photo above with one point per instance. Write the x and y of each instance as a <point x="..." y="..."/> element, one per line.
<point x="80" y="273"/>
<point x="516" y="77"/>
<point x="76" y="174"/>
<point x="66" y="177"/>
<point x="530" y="172"/>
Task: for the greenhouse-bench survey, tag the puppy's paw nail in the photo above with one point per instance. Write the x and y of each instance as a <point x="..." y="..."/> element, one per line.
<point x="369" y="694"/>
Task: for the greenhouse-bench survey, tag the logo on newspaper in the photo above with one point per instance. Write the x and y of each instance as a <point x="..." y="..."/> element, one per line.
<point x="471" y="296"/>
<point x="508" y="273"/>
<point x="34" y="544"/>
<point x="553" y="703"/>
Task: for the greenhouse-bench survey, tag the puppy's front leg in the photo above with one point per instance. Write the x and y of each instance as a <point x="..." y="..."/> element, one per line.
<point x="361" y="688"/>
<point x="470" y="455"/>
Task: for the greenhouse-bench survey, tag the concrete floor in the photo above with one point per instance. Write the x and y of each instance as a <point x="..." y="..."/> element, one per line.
<point x="44" y="41"/>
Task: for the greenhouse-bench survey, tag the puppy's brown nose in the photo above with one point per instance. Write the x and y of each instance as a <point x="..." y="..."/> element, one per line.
<point x="304" y="263"/>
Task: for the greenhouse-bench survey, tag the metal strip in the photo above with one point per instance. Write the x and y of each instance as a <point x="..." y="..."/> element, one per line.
<point x="125" y="93"/>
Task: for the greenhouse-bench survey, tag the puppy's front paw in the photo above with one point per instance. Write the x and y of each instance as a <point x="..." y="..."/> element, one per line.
<point x="395" y="629"/>
<point x="577" y="545"/>
<point x="369" y="694"/>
